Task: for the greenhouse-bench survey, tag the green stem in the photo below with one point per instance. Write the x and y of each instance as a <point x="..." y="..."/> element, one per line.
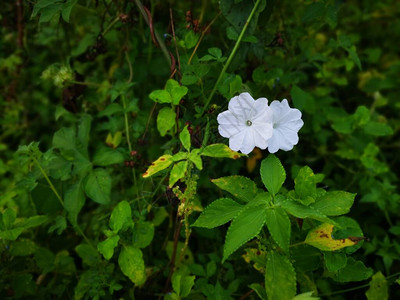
<point x="48" y="180"/>
<point x="84" y="83"/>
<point x="231" y="56"/>
<point x="128" y="139"/>
<point x="110" y="26"/>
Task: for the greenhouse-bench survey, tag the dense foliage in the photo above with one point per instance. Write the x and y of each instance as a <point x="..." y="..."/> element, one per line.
<point x="115" y="182"/>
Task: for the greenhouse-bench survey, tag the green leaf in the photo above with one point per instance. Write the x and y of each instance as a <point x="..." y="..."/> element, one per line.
<point x="143" y="234"/>
<point x="178" y="172"/>
<point x="302" y="211"/>
<point x="305" y="184"/>
<point x="280" y="277"/>
<point x="335" y="261"/>
<point x="245" y="226"/>
<point x="160" y="96"/>
<point x="305" y="296"/>
<point x="8" y="218"/>
<point x="378" y="129"/>
<point x="278" y="224"/>
<point x="302" y="100"/>
<point x="378" y="288"/>
<point x="184" y="137"/>
<point x="88" y="254"/>
<point x="272" y="173"/>
<point x="165" y="120"/>
<point x="220" y="150"/>
<point x="66" y="9"/>
<point x="182" y="284"/>
<point x="241" y="187"/>
<point x="83" y="135"/>
<point x="175" y="90"/>
<point x="121" y="217"/>
<point x="180" y="156"/>
<point x="355" y="270"/>
<point x="260" y="290"/>
<point x="160" y="164"/>
<point x="194" y="157"/>
<point x="74" y="200"/>
<point x="64" y="139"/>
<point x="131" y="262"/>
<point x="98" y="186"/>
<point x="106" y="247"/>
<point x="22" y="247"/>
<point x="334" y="203"/>
<point x="105" y="156"/>
<point x="218" y="212"/>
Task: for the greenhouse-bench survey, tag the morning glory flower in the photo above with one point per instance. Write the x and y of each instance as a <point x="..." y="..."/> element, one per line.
<point x="247" y="123"/>
<point x="286" y="123"/>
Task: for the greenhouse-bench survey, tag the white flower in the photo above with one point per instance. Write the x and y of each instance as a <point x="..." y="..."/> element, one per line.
<point x="286" y="122"/>
<point x="247" y="123"/>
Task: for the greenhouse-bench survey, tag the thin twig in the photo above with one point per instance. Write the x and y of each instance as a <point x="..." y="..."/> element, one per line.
<point x="174" y="37"/>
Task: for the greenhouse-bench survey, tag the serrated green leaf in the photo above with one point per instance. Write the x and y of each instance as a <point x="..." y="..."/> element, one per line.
<point x="272" y="173"/>
<point x="280" y="277"/>
<point x="334" y="203"/>
<point x="184" y="137"/>
<point x="245" y="226"/>
<point x="131" y="262"/>
<point x="178" y="172"/>
<point x="302" y="211"/>
<point x="121" y="217"/>
<point x="106" y="247"/>
<point x="218" y="212"/>
<point x="98" y="186"/>
<point x="165" y="120"/>
<point x="220" y="150"/>
<point x="378" y="288"/>
<point x="241" y="187"/>
<point x="160" y="164"/>
<point x="278" y="224"/>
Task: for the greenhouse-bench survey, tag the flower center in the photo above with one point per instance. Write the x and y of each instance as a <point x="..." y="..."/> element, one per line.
<point x="249" y="123"/>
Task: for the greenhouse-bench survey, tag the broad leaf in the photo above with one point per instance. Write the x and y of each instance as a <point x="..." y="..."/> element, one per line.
<point x="98" y="186"/>
<point x="184" y="137"/>
<point x="220" y="150"/>
<point x="143" y="234"/>
<point x="74" y="200"/>
<point x="165" y="120"/>
<point x="217" y="213"/>
<point x="121" y="217"/>
<point x="107" y="246"/>
<point x="305" y="183"/>
<point x="105" y="156"/>
<point x="241" y="187"/>
<point x="160" y="164"/>
<point x="178" y="172"/>
<point x="301" y="211"/>
<point x="194" y="157"/>
<point x="245" y="226"/>
<point x="278" y="224"/>
<point x="175" y="90"/>
<point x="321" y="238"/>
<point x="335" y="261"/>
<point x="280" y="277"/>
<point x="272" y="174"/>
<point x="378" y="288"/>
<point x="131" y="262"/>
<point x="355" y="270"/>
<point x="334" y="203"/>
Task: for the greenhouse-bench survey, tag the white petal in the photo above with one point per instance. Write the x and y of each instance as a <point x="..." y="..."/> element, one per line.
<point x="236" y="141"/>
<point x="242" y="106"/>
<point x="264" y="131"/>
<point x="260" y="105"/>
<point x="248" y="141"/>
<point x="265" y="115"/>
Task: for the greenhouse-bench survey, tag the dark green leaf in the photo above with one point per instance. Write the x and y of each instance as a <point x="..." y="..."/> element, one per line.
<point x="272" y="174"/>
<point x="278" y="224"/>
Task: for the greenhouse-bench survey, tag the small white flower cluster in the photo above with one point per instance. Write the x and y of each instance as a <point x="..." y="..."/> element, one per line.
<point x="250" y="123"/>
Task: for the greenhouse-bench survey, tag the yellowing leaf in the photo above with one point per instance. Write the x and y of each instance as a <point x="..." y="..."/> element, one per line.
<point x="321" y="238"/>
<point x="220" y="150"/>
<point x="160" y="164"/>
